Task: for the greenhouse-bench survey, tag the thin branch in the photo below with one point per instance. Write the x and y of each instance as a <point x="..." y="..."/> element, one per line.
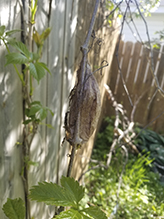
<point x="71" y="161"/>
<point x="151" y="50"/>
<point x="81" y="82"/>
<point x="97" y="70"/>
<point x="117" y="56"/>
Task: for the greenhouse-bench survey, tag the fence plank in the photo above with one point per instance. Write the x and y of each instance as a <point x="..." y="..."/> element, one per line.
<point x="140" y="83"/>
<point x="59" y="53"/>
<point x="96" y="56"/>
<point x="10" y="115"/>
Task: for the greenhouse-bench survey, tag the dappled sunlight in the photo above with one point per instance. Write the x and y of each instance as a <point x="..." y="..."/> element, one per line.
<point x="73" y="25"/>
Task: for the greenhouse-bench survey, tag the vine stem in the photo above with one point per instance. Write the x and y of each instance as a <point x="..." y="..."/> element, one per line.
<point x="84" y="48"/>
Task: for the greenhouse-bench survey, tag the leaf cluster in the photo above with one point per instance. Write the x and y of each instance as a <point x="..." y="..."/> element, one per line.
<point x="31" y="60"/>
<point x="104" y="139"/>
<point x="23" y="56"/>
<point x="140" y="194"/>
<point x="150" y="141"/>
<point x="68" y="194"/>
<point x="36" y="112"/>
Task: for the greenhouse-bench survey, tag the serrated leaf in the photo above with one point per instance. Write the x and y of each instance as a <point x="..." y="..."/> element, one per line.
<point x="10" y="32"/>
<point x="16" y="58"/>
<point x="45" y="67"/>
<point x="21" y="47"/>
<point x="51" y="194"/>
<point x="35" y="56"/>
<point x="2" y="30"/>
<point x="73" y="188"/>
<point x="33" y="71"/>
<point x="71" y="214"/>
<point x="14" y="208"/>
<point x="95" y="212"/>
<point x="40" y="70"/>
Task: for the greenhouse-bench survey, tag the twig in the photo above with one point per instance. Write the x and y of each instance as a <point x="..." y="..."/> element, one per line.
<point x="120" y="178"/>
<point x="97" y="70"/>
<point x="117" y="56"/>
<point x="92" y="168"/>
<point x="151" y="50"/>
<point x="71" y="161"/>
<point x="110" y="152"/>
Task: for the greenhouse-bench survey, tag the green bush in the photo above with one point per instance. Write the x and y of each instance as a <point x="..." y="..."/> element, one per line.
<point x="104" y="139"/>
<point x="138" y="194"/>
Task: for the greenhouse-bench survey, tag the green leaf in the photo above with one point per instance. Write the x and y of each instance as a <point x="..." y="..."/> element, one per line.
<point x="45" y="33"/>
<point x="2" y="30"/>
<point x="36" y="102"/>
<point x="45" y="67"/>
<point x="10" y="32"/>
<point x="71" y="214"/>
<point x="35" y="108"/>
<point x="95" y="212"/>
<point x="27" y="121"/>
<point x="52" y="114"/>
<point x="38" y="110"/>
<point x="37" y="39"/>
<point x="51" y="194"/>
<point x="21" y="47"/>
<point x="42" y="113"/>
<point x="16" y="58"/>
<point x="14" y="208"/>
<point x="40" y="70"/>
<point x="35" y="56"/>
<point x="73" y="188"/>
<point x="33" y="71"/>
<point x="37" y="70"/>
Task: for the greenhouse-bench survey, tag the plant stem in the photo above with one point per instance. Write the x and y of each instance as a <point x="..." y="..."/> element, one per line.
<point x="71" y="161"/>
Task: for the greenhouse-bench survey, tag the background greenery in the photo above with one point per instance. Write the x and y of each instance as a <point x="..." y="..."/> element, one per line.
<point x="139" y="193"/>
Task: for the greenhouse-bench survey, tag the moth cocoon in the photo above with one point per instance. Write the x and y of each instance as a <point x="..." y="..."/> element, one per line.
<point x="84" y="109"/>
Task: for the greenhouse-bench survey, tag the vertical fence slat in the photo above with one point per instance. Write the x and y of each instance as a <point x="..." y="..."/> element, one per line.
<point x="10" y="114"/>
<point x="140" y="83"/>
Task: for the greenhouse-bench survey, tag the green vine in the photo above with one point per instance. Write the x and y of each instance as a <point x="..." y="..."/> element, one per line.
<point x="32" y="69"/>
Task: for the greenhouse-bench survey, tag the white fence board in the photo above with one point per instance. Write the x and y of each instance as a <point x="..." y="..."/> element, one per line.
<point x="10" y="115"/>
<point x="59" y="53"/>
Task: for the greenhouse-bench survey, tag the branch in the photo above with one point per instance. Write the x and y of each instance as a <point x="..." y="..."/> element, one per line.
<point x="151" y="50"/>
<point x="81" y="82"/>
<point x="117" y="56"/>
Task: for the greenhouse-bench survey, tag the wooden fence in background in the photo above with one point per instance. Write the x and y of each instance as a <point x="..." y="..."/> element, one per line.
<point x="135" y="67"/>
<point x="69" y="21"/>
